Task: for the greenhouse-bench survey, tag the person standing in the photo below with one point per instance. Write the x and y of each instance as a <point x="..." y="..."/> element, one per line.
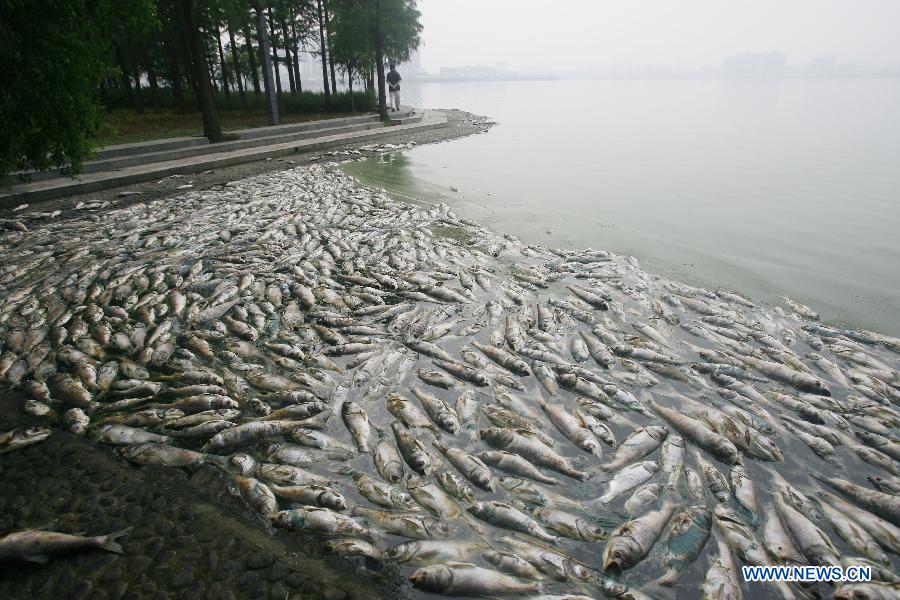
<point x="394" y="79"/>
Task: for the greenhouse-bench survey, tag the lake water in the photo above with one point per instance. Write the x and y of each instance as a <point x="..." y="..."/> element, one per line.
<point x="766" y="187"/>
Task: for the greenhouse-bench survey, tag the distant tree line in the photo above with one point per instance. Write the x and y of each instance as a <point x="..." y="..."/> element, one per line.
<point x="64" y="61"/>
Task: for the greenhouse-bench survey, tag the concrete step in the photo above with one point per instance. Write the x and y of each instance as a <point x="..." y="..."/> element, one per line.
<point x="147" y="147"/>
<point x="404" y="116"/>
<point x="91" y="182"/>
<point x="120" y="162"/>
<point x="261" y="132"/>
<point x="124" y="155"/>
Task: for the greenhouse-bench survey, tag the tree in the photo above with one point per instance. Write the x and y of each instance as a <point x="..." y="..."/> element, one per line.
<point x="211" y="127"/>
<point x="368" y="32"/>
<point x="55" y="54"/>
<point x="323" y="53"/>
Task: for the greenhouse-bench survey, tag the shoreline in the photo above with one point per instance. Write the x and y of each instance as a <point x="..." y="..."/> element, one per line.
<point x="285" y="568"/>
<point x="641" y="316"/>
<point x="459" y="124"/>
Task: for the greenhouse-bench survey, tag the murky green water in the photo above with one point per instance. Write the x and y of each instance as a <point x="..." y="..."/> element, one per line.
<point x="766" y="187"/>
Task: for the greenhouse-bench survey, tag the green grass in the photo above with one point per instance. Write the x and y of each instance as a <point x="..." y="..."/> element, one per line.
<point x="123" y="125"/>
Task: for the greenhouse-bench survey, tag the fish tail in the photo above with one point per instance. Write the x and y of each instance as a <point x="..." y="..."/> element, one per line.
<point x="110" y="543"/>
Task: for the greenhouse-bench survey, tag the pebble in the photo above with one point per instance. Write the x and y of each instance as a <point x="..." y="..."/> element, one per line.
<point x="183" y="577"/>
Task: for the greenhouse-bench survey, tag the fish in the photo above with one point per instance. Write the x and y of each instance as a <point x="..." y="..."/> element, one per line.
<point x="515" y="464"/>
<point x="630" y="542"/>
<point x="471" y="466"/>
<point x="507" y="516"/>
<point x="628" y="479"/>
<point x="684" y="540"/>
<point x="721" y="581"/>
<point x="466" y="579"/>
<point x="323" y="521"/>
<point x="698" y="433"/>
<point x="812" y="542"/>
<point x="879" y="503"/>
<point x="420" y="553"/>
<point x="38" y="546"/>
<point x="529" y="447"/>
<point x="569" y="525"/>
<point x="572" y="427"/>
<point x="637" y="445"/>
<point x="319" y="340"/>
<point x="404" y="523"/>
<point x="20" y="437"/>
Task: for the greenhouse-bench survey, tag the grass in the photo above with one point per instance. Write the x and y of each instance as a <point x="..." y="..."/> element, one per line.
<point x="123" y="126"/>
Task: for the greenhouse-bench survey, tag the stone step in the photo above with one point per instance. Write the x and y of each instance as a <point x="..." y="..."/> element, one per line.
<point x="149" y="146"/>
<point x="90" y="182"/>
<point x="262" y="132"/>
<point x="404" y="118"/>
<point x="117" y="163"/>
<point x="124" y="155"/>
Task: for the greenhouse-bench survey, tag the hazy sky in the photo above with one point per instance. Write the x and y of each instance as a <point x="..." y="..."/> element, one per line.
<point x="583" y="33"/>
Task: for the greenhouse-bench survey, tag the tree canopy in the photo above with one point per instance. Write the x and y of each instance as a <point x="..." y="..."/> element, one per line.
<point x="66" y="61"/>
<point x="52" y="54"/>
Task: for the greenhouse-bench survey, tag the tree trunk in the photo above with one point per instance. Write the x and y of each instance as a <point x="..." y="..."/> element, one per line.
<point x="251" y="58"/>
<point x="154" y="84"/>
<point x="211" y="127"/>
<point x="210" y="63"/>
<point x="138" y="98"/>
<point x="330" y="57"/>
<point x="379" y="62"/>
<point x="237" y="68"/>
<point x="324" y="57"/>
<point x="287" y="55"/>
<point x="175" y="77"/>
<point x="188" y="60"/>
<point x="296" y="56"/>
<point x="226" y="85"/>
<point x="266" y="57"/>
<point x="275" y="63"/>
<point x="104" y="94"/>
<point x="123" y="73"/>
<point x="350" y="87"/>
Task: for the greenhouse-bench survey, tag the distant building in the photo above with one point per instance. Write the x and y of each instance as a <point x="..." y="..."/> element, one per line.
<point x="823" y="65"/>
<point x="412" y="68"/>
<point x="764" y="64"/>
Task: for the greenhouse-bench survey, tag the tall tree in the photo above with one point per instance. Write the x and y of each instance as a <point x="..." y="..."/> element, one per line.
<point x="378" y="35"/>
<point x="251" y="60"/>
<point x="211" y="127"/>
<point x="226" y="84"/>
<point x="323" y="54"/>
<point x="296" y="54"/>
<point x="368" y="32"/>
<point x="273" y="41"/>
<point x="330" y="54"/>
<point x="266" y="56"/>
<point x="49" y="113"/>
<point x="287" y="43"/>
<point x="237" y="67"/>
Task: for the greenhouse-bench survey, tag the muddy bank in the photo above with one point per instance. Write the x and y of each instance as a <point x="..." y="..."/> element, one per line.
<point x="190" y="538"/>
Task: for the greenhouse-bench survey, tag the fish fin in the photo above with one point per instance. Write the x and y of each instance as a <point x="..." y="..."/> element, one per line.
<point x="111" y="544"/>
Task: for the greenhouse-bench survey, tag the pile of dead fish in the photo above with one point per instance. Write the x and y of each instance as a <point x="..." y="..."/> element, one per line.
<point x="498" y="419"/>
